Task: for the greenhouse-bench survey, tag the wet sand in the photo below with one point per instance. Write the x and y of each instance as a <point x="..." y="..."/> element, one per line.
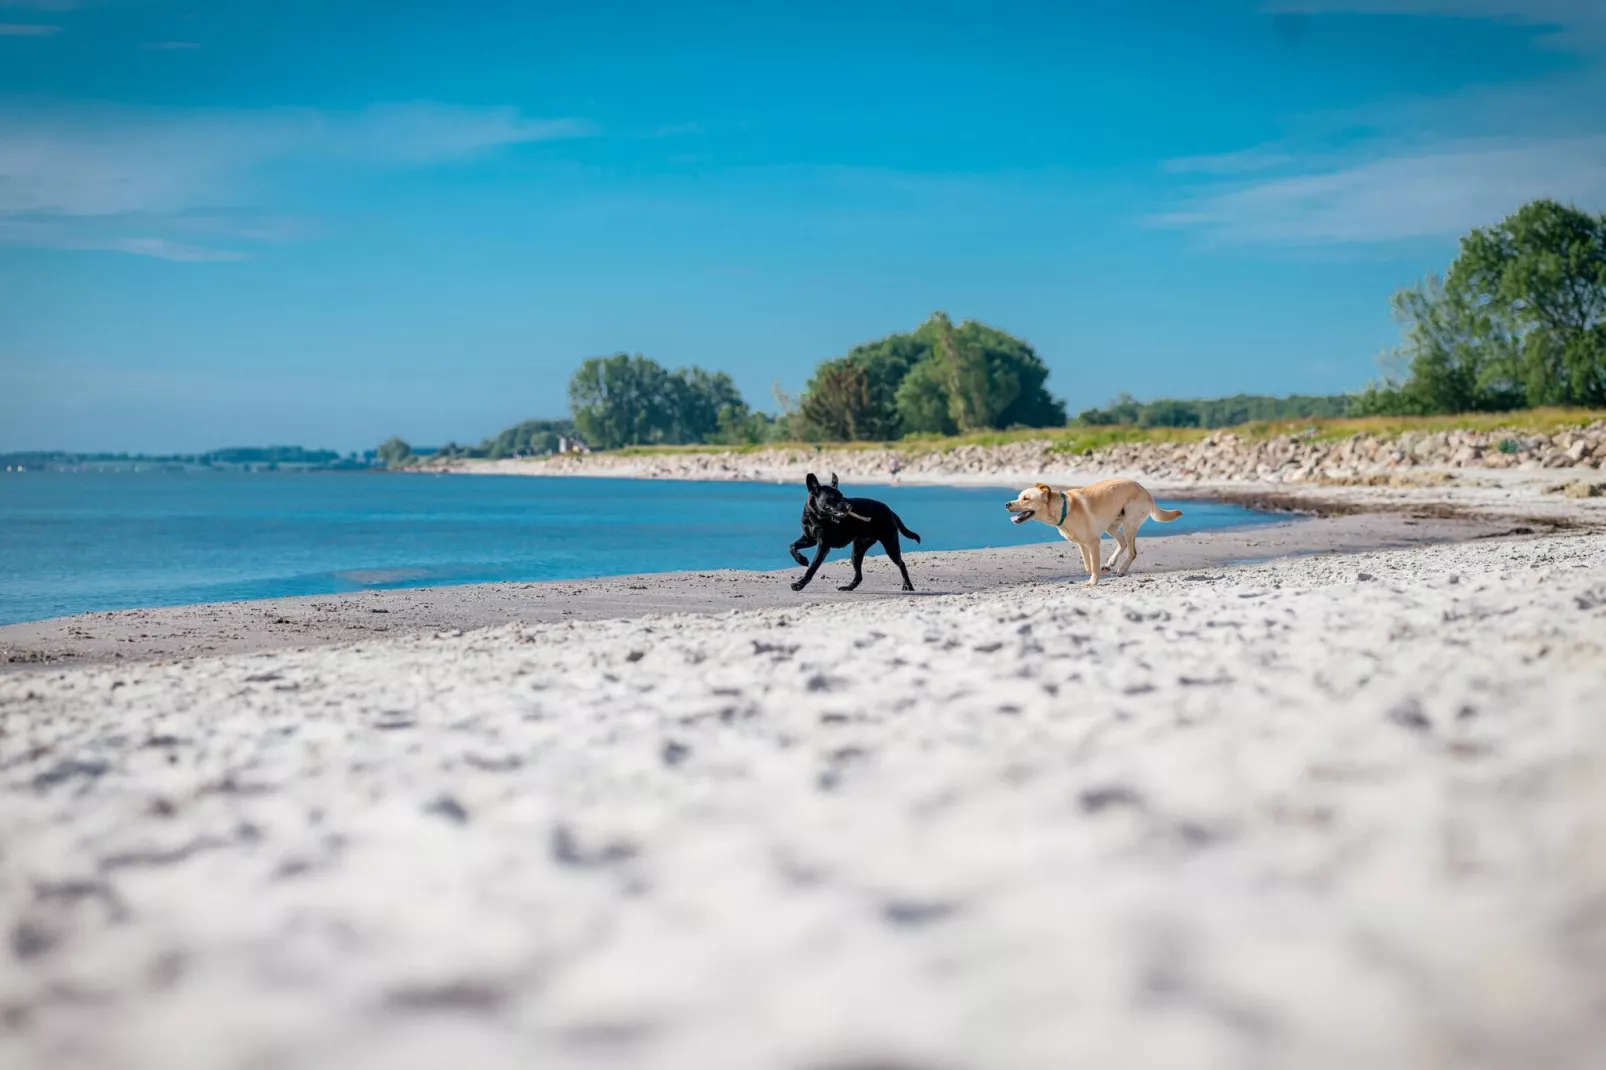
<point x="244" y="627"/>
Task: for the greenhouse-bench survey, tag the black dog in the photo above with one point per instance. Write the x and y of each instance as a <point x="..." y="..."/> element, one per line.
<point x="831" y="521"/>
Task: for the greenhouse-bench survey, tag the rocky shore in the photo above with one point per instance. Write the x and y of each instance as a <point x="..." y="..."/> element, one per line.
<point x="1310" y="457"/>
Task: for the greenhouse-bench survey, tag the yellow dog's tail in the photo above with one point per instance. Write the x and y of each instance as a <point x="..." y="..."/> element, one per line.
<point x="1165" y="516"/>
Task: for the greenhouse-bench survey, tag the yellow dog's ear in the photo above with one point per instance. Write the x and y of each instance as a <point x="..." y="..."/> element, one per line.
<point x="1045" y="488"/>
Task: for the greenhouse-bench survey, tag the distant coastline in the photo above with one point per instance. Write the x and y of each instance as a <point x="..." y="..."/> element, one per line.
<point x="236" y="459"/>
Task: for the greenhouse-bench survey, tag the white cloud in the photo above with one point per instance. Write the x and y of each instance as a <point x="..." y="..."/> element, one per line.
<point x="1416" y="166"/>
<point x="64" y="172"/>
<point x="1538" y="11"/>
<point x="90" y="233"/>
<point x="1229" y="163"/>
<point x="163" y="249"/>
<point x="1439" y="192"/>
<point x="414" y="134"/>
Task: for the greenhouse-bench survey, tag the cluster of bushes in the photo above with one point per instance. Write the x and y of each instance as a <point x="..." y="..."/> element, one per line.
<point x="937" y="380"/>
<point x="532" y="438"/>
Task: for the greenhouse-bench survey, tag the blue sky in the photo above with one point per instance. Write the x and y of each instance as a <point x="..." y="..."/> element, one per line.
<point x="248" y="223"/>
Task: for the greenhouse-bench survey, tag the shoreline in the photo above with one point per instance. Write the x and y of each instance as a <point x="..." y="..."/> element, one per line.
<point x="207" y="629"/>
<point x="1561" y="496"/>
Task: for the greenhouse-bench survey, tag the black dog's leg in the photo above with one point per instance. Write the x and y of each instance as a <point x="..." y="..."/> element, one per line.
<point x="814" y="566"/>
<point x="890" y="544"/>
<point x="860" y="548"/>
<point x="801" y="544"/>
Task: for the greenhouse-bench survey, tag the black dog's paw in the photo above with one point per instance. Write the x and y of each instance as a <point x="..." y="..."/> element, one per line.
<point x="847" y="586"/>
<point x="908" y="586"/>
<point x="800" y="559"/>
<point x="798" y="585"/>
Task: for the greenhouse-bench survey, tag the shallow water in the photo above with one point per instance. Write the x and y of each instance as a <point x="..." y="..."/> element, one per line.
<point x="76" y="542"/>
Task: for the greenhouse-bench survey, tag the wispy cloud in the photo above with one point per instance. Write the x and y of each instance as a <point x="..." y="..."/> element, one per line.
<point x="1546" y="11"/>
<point x="1229" y="163"/>
<point x="1572" y="23"/>
<point x="188" y="237"/>
<point x="1436" y="193"/>
<point x="1415" y="167"/>
<point x="78" y="178"/>
<point x="163" y="249"/>
<point x="27" y="29"/>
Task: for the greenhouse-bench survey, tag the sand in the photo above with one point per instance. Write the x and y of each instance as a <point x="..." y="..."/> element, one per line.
<point x="1324" y="812"/>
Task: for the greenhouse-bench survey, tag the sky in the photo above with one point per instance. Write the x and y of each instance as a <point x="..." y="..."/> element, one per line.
<point x="238" y="223"/>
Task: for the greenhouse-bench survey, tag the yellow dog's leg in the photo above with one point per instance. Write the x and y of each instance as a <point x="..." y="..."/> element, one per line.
<point x="1090" y="561"/>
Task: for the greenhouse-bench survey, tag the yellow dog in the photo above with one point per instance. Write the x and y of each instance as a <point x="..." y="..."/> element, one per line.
<point x="1116" y="506"/>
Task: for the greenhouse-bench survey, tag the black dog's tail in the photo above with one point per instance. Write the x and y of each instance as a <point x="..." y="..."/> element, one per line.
<point x="901" y="527"/>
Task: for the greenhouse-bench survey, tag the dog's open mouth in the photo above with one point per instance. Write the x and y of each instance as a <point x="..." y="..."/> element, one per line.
<point x="1021" y="518"/>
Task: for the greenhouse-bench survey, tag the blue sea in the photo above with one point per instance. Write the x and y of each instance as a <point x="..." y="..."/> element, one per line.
<point x="76" y="542"/>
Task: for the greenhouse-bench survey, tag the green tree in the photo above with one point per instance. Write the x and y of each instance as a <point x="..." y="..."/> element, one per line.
<point x="695" y="401"/>
<point x="1520" y="319"/>
<point x="619" y="401"/>
<point x="939" y="379"/>
<point x="632" y="401"/>
<point x="1125" y="409"/>
<point x="1215" y="412"/>
<point x="1168" y="413"/>
<point x="394" y="452"/>
<point x="922" y="402"/>
<point x="1541" y="274"/>
<point x="526" y="439"/>
<point x="838" y="403"/>
<point x="1019" y="380"/>
<point x="789" y="425"/>
<point x="1457" y="356"/>
<point x="990" y="379"/>
<point x="885" y="364"/>
<point x="961" y="367"/>
<point x="741" y="427"/>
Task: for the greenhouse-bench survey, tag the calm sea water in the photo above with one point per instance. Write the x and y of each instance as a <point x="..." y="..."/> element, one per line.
<point x="75" y="542"/>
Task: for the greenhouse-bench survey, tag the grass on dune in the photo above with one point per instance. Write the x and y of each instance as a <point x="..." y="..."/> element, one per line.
<point x="1081" y="439"/>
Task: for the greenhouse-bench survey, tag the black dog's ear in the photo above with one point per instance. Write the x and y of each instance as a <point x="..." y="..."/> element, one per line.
<point x="833" y="479"/>
<point x="813" y="482"/>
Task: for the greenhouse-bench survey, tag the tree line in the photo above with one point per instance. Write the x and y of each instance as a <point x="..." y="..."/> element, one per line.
<point x="295" y="456"/>
<point x="1216" y="412"/>
<point x="938" y="379"/>
<point x="531" y="438"/>
<point x="1518" y="320"/>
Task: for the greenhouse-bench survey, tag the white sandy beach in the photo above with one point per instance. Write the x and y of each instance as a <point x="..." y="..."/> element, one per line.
<point x="1325" y="812"/>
